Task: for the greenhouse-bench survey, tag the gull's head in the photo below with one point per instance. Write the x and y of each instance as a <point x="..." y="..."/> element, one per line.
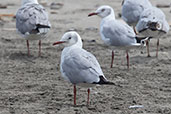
<point x="69" y="39"/>
<point x="29" y="1"/>
<point x="103" y="11"/>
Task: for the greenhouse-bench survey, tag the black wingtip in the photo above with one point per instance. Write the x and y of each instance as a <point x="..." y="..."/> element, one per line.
<point x="42" y="26"/>
<point x="103" y="81"/>
<point x="139" y="39"/>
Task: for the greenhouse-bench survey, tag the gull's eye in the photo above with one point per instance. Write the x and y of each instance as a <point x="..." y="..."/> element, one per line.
<point x="103" y="10"/>
<point x="69" y="38"/>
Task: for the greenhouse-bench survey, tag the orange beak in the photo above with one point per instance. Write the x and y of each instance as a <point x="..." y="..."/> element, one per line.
<point x="59" y="42"/>
<point x="91" y="14"/>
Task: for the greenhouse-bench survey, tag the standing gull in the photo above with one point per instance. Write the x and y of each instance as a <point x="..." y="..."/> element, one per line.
<point x="79" y="66"/>
<point x="132" y="9"/>
<point x="152" y="23"/>
<point x="32" y="22"/>
<point x="114" y="33"/>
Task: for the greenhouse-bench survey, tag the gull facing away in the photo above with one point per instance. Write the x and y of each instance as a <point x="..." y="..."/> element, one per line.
<point x="114" y="33"/>
<point x="152" y="23"/>
<point x="79" y="66"/>
<point x="132" y="9"/>
<point x="32" y="22"/>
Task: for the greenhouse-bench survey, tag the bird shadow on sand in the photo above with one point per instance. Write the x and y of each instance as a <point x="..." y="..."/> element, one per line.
<point x="22" y="57"/>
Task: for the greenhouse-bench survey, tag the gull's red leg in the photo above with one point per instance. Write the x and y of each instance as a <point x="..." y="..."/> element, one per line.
<point x="88" y="96"/>
<point x="74" y="94"/>
<point x="148" y="50"/>
<point x="127" y="57"/>
<point x="135" y="31"/>
<point x="39" y="47"/>
<point x="112" y="59"/>
<point x="28" y="51"/>
<point x="157" y="48"/>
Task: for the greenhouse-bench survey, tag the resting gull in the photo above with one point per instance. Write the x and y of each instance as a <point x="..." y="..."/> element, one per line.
<point x="32" y="22"/>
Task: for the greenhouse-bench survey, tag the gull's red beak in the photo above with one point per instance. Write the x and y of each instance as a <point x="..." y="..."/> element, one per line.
<point x="91" y="14"/>
<point x="59" y="42"/>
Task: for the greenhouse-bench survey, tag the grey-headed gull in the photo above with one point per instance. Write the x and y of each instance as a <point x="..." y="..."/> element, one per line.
<point x="152" y="23"/>
<point x="32" y="22"/>
<point x="132" y="9"/>
<point x="114" y="33"/>
<point x="79" y="66"/>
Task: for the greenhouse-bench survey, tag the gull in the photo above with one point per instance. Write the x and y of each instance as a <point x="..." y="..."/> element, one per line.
<point x="79" y="66"/>
<point x="116" y="34"/>
<point x="132" y="9"/>
<point x="32" y="22"/>
<point x="152" y="23"/>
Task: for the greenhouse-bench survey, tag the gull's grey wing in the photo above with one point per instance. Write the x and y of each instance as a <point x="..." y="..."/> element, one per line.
<point x="132" y="9"/>
<point x="149" y="18"/>
<point x="118" y="34"/>
<point x="80" y="66"/>
<point x="31" y="16"/>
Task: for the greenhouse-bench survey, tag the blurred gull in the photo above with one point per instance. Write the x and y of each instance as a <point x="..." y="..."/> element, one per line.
<point x="152" y="23"/>
<point x="114" y="33"/>
<point x="32" y="22"/>
<point x="132" y="9"/>
<point x="79" y="66"/>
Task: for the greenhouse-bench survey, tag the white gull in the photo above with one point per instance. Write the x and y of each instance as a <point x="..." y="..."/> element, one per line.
<point x="132" y="9"/>
<point x="114" y="33"/>
<point x="79" y="66"/>
<point x="32" y="22"/>
<point x="152" y="23"/>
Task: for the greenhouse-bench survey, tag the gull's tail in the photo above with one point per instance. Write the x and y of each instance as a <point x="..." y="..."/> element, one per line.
<point x="104" y="81"/>
<point x="40" y="29"/>
<point x="142" y="40"/>
<point x="154" y="26"/>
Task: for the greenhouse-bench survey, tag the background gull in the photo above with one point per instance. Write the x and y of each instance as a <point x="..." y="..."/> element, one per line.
<point x="79" y="66"/>
<point x="32" y="22"/>
<point x="114" y="33"/>
<point x="132" y="9"/>
<point x="152" y="23"/>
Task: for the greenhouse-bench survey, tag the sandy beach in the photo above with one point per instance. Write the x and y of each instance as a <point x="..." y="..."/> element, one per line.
<point x="33" y="85"/>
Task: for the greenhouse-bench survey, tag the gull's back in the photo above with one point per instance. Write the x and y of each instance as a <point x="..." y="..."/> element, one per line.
<point x="80" y="66"/>
<point x="152" y="15"/>
<point x="116" y="33"/>
<point x="32" y="19"/>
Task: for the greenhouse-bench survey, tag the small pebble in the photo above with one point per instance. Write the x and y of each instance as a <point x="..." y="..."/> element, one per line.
<point x="136" y="106"/>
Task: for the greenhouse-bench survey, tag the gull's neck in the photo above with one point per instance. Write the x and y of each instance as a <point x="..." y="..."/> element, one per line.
<point x="24" y="2"/>
<point x="78" y="44"/>
<point x="110" y="16"/>
<point x="68" y="49"/>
